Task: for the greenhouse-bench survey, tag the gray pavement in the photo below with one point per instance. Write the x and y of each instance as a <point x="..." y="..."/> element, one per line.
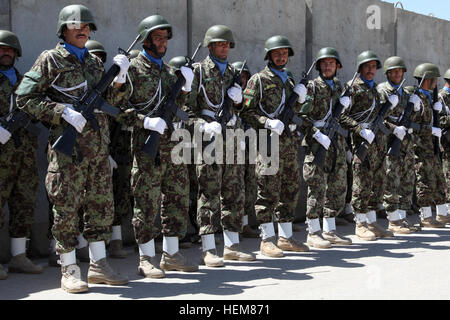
<point x="414" y="266"/>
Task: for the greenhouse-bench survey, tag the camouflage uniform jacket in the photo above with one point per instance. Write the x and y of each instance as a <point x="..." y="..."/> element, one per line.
<point x="445" y="118"/>
<point x="146" y="94"/>
<point x="263" y="96"/>
<point x="319" y="105"/>
<point x="209" y="84"/>
<point x="43" y="93"/>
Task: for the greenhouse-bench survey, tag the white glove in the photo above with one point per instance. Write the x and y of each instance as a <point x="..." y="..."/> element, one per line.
<point x="5" y="135"/>
<point x="122" y="61"/>
<point x="322" y="139"/>
<point x="416" y="101"/>
<point x="235" y="93"/>
<point x="112" y="164"/>
<point x="211" y="128"/>
<point x="275" y="125"/>
<point x="368" y="135"/>
<point x="349" y="156"/>
<point x="300" y="89"/>
<point x="345" y="101"/>
<point x="400" y="132"/>
<point x="75" y="118"/>
<point x="437" y="132"/>
<point x="188" y="76"/>
<point x="155" y="124"/>
<point x="393" y="100"/>
<point x="437" y="107"/>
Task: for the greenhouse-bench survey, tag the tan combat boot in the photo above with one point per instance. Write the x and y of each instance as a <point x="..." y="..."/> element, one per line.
<point x="398" y="227"/>
<point x="21" y="264"/>
<point x="236" y="253"/>
<point x="248" y="232"/>
<point x="336" y="239"/>
<point x="269" y="249"/>
<point x="430" y="222"/>
<point x="291" y="245"/>
<point x="379" y="231"/>
<point x="101" y="272"/>
<point x="411" y="227"/>
<point x="116" y="251"/>
<point x="315" y="240"/>
<point x="3" y="273"/>
<point x="211" y="259"/>
<point x="363" y="232"/>
<point x="176" y="262"/>
<point x="71" y="279"/>
<point x="148" y="267"/>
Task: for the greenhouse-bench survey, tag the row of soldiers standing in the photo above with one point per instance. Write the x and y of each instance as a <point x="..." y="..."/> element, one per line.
<point x="49" y="91"/>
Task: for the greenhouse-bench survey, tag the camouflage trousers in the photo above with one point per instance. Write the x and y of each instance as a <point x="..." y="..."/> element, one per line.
<point x="220" y="197"/>
<point x="446" y="169"/>
<point x="278" y="193"/>
<point x="251" y="190"/>
<point x="87" y="185"/>
<point x="400" y="178"/>
<point x="121" y="178"/>
<point x="164" y="186"/>
<point x="431" y="185"/>
<point x="326" y="188"/>
<point x="18" y="185"/>
<point x="369" y="179"/>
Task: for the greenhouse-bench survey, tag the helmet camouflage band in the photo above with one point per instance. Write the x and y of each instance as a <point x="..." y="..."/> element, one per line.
<point x="367" y="56"/>
<point x="74" y="15"/>
<point x="9" y="39"/>
<point x="394" y="63"/>
<point x="153" y="23"/>
<point x="277" y="42"/>
<point x="218" y="33"/>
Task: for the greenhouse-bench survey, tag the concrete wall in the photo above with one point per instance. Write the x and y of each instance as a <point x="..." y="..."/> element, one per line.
<point x="309" y="24"/>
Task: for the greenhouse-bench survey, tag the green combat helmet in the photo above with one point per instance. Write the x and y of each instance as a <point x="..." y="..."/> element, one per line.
<point x="9" y="39"/>
<point x="277" y="42"/>
<point x="427" y="71"/>
<point x="394" y="63"/>
<point x="447" y="75"/>
<point x="178" y="62"/>
<point x="96" y="47"/>
<point x="218" y="33"/>
<point x="328" y="52"/>
<point x="75" y="14"/>
<point x="153" y="23"/>
<point x="367" y="56"/>
<point x="134" y="53"/>
<point x="238" y="66"/>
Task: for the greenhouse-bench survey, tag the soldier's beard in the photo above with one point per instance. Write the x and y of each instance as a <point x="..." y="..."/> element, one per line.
<point x="153" y="49"/>
<point x="273" y="65"/>
<point x="5" y="67"/>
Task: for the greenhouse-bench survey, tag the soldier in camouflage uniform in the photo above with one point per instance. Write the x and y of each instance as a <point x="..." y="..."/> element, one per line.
<point x="400" y="178"/>
<point x="431" y="185"/>
<point x="18" y="168"/>
<point x="220" y="186"/>
<point x="264" y="97"/>
<point x="369" y="175"/>
<point x="150" y="80"/>
<point x="250" y="169"/>
<point x="444" y="95"/>
<point x="326" y="186"/>
<point x="121" y="161"/>
<point x="58" y="77"/>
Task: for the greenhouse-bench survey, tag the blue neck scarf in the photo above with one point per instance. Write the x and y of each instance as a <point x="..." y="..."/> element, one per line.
<point x="77" y="52"/>
<point x="396" y="86"/>
<point x="370" y="83"/>
<point x="447" y="89"/>
<point x="11" y="75"/>
<point x="281" y="74"/>
<point x="330" y="83"/>
<point x="428" y="94"/>
<point x="158" y="61"/>
<point x="221" y="65"/>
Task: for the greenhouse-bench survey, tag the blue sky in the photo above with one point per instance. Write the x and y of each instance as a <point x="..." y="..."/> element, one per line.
<point x="440" y="8"/>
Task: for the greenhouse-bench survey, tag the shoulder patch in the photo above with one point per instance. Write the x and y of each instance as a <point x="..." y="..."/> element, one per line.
<point x="249" y="92"/>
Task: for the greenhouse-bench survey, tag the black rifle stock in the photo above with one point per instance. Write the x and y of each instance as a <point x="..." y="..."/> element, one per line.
<point x="167" y="111"/>
<point x="332" y="127"/>
<point x="17" y="120"/>
<point x="86" y="104"/>
<point x="376" y="126"/>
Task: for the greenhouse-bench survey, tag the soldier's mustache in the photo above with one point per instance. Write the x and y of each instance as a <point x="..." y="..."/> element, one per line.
<point x="6" y="55"/>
